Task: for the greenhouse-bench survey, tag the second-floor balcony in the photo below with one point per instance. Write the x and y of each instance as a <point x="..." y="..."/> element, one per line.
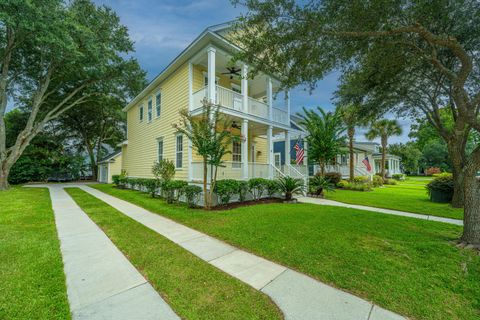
<point x="233" y="100"/>
<point x="258" y="97"/>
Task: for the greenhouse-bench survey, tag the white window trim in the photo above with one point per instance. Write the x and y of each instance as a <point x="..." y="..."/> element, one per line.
<point x="205" y="76"/>
<point x="157" y="115"/>
<point x="238" y="154"/>
<point x="158" y="149"/>
<point x="150" y="110"/>
<point x="177" y="152"/>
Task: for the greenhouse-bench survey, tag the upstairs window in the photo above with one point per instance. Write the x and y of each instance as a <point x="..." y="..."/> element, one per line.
<point x="149" y="110"/>
<point x="179" y="151"/>
<point x="140" y="113"/>
<point x="158" y="104"/>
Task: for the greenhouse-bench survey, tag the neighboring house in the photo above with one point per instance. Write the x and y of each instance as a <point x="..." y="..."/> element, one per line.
<point x="392" y="162"/>
<point x="109" y="166"/>
<point x="203" y="70"/>
<point x="362" y="151"/>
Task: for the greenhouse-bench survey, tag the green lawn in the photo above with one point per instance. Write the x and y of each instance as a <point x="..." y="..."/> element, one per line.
<point x="192" y="287"/>
<point x="406" y="265"/>
<point x="32" y="282"/>
<point x="409" y="195"/>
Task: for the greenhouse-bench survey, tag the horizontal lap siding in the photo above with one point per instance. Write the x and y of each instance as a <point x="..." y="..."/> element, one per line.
<point x="115" y="168"/>
<point x="141" y="153"/>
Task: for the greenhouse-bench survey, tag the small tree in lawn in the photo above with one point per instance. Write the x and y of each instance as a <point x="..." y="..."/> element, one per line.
<point x="384" y="129"/>
<point x="164" y="171"/>
<point x="325" y="135"/>
<point x="210" y="135"/>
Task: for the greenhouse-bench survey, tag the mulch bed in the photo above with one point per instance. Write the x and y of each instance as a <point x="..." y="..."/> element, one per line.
<point x="234" y="205"/>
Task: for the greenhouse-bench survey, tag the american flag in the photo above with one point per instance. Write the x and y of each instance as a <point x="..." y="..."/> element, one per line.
<point x="300" y="153"/>
<point x="367" y="164"/>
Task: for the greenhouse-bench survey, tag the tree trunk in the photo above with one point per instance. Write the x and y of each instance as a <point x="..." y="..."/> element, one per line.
<point x="471" y="219"/>
<point x="206" y="203"/>
<point x="4" y="178"/>
<point x="384" y="155"/>
<point x="458" y="198"/>
<point x="457" y="155"/>
<point x="351" y="134"/>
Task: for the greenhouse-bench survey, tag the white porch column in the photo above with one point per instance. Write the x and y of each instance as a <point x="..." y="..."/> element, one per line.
<point x="270" y="151"/>
<point x="287" y="152"/>
<point x="245" y="87"/>
<point x="245" y="149"/>
<point x="270" y="98"/>
<point x="211" y="96"/>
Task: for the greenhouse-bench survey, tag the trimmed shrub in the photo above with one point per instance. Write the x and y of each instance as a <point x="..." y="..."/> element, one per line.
<point x="257" y="186"/>
<point x="361" y="179"/>
<point x="272" y="188"/>
<point x="342" y="184"/>
<point x="173" y="190"/>
<point x="398" y="176"/>
<point x="391" y="182"/>
<point x="433" y="170"/>
<point x="440" y="189"/>
<point x="242" y="190"/>
<point x="377" y="181"/>
<point x="122" y="179"/>
<point x="225" y="189"/>
<point x="192" y="194"/>
<point x="356" y="186"/>
<point x="152" y="186"/>
<point x="332" y="177"/>
<point x="116" y="179"/>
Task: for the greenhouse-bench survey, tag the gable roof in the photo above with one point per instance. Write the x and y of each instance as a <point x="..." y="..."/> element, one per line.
<point x="111" y="156"/>
<point x="209" y="35"/>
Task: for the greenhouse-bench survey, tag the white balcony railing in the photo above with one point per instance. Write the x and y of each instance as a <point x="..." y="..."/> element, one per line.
<point x="233" y="100"/>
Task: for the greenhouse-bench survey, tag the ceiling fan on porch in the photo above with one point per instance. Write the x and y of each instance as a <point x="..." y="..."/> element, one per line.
<point x="232" y="71"/>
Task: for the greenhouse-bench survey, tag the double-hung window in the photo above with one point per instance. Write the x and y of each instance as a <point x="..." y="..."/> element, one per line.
<point x="179" y="151"/>
<point x="158" y="104"/>
<point x="159" y="149"/>
<point x="140" y="113"/>
<point x="149" y="110"/>
<point x="237" y="154"/>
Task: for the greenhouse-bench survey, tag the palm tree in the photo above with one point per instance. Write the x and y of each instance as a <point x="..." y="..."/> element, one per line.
<point x="351" y="119"/>
<point x="325" y="135"/>
<point x="384" y="129"/>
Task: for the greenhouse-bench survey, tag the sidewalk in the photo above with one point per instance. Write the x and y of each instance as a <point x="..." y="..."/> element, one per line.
<point x="101" y="282"/>
<point x="326" y="202"/>
<point x="297" y="295"/>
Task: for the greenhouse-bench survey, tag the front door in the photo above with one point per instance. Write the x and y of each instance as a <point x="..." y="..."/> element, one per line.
<point x="278" y="159"/>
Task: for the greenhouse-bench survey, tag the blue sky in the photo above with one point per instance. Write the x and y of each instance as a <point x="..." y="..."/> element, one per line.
<point x="161" y="29"/>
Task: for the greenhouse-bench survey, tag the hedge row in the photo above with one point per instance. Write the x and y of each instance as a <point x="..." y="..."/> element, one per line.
<point x="171" y="190"/>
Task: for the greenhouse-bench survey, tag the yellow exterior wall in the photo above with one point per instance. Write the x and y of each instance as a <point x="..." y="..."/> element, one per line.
<point x="198" y="78"/>
<point x="141" y="152"/>
<point x="115" y="167"/>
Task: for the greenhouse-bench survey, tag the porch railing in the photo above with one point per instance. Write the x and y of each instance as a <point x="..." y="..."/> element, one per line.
<point x="233" y="100"/>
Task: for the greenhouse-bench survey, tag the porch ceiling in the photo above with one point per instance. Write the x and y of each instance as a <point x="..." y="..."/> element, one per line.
<point x="257" y="85"/>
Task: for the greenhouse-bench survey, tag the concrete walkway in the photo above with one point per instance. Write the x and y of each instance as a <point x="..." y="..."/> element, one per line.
<point x="297" y="295"/>
<point x="380" y="210"/>
<point x="101" y="282"/>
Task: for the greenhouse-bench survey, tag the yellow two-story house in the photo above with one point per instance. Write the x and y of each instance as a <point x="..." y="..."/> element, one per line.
<point x="204" y="70"/>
